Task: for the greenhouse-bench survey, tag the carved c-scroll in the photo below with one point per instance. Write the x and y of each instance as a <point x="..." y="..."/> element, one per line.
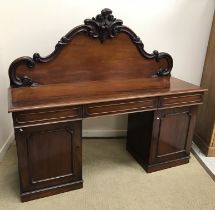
<point x="24" y="80"/>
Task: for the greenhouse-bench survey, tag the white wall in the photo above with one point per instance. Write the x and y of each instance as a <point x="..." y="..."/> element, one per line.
<point x="179" y="27"/>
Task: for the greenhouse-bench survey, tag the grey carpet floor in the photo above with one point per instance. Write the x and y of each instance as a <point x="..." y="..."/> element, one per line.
<point x="114" y="181"/>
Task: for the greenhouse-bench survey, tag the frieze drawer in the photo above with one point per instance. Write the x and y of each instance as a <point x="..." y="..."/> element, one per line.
<point x="47" y="115"/>
<point x="180" y="100"/>
<point x="126" y="106"/>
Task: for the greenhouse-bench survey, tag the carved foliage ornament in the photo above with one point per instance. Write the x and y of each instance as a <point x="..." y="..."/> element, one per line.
<point x="103" y="26"/>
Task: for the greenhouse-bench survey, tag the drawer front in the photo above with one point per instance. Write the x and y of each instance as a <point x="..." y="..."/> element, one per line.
<point x="47" y="115"/>
<point x="120" y="107"/>
<point x="180" y="100"/>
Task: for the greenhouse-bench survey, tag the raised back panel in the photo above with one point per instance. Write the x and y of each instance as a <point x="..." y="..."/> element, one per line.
<point x="101" y="50"/>
<point x="87" y="59"/>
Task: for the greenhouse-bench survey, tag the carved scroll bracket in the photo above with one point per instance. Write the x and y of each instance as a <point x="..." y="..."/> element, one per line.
<point x="163" y="71"/>
<point x="24" y="81"/>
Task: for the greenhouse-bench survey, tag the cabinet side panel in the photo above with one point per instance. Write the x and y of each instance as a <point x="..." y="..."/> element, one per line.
<point x="139" y="135"/>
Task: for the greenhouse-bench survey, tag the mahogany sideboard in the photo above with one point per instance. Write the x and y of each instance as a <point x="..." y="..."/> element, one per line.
<point x="98" y="68"/>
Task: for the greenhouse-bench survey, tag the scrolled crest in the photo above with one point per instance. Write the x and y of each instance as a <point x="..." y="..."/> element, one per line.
<point x="104" y="26"/>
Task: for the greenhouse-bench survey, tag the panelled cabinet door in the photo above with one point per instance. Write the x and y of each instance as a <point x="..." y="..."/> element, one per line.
<point x="172" y="134"/>
<point x="49" y="155"/>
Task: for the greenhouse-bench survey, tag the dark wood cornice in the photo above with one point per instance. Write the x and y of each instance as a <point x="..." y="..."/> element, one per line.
<point x="104" y="26"/>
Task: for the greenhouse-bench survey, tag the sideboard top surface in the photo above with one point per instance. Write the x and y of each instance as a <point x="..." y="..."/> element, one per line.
<point x="56" y="95"/>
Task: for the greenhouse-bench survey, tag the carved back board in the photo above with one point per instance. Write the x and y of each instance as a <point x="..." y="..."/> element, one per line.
<point x="102" y="49"/>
